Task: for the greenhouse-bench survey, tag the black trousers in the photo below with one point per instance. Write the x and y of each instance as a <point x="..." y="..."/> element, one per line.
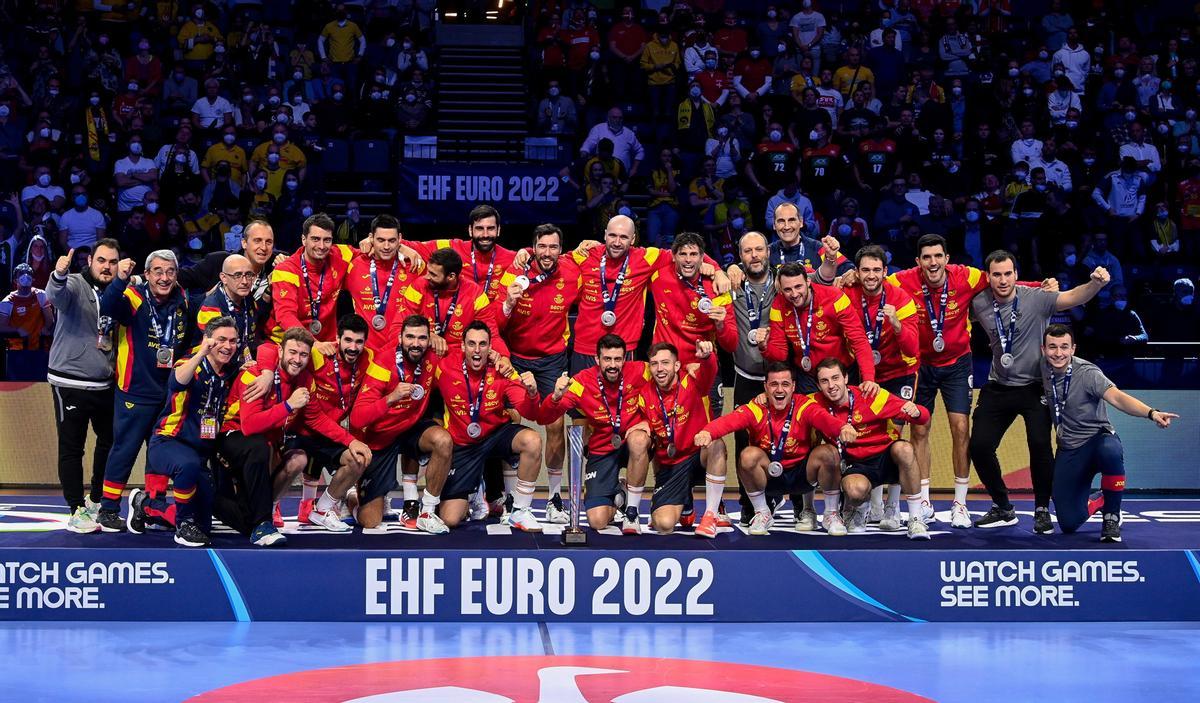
<point x="744" y="391"/>
<point x="244" y="496"/>
<point x="996" y="410"/>
<point x="74" y="409"/>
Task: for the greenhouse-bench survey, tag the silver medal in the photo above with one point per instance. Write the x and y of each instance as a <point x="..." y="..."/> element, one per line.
<point x="1006" y="360"/>
<point x="315" y="327"/>
<point x="939" y="344"/>
<point x="474" y="430"/>
<point x="775" y="469"/>
<point x="418" y="392"/>
<point x="876" y="356"/>
<point x="616" y="442"/>
<point x="378" y="322"/>
<point x="345" y="423"/>
<point x="705" y="305"/>
<point x="608" y="318"/>
<point x="164" y="356"/>
<point x="522" y="281"/>
<point x="671" y="450"/>
<point x="806" y="363"/>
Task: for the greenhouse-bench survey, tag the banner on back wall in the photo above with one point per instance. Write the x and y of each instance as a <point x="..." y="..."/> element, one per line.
<point x="524" y="193"/>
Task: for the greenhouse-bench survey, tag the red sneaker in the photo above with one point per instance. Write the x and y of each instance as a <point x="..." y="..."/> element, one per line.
<point x="277" y="516"/>
<point x="708" y="525"/>
<point x="722" y="516"/>
<point x="306" y="508"/>
<point x="687" y="519"/>
<point x="1095" y="502"/>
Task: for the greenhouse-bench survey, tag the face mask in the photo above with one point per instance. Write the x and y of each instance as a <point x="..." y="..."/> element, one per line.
<point x="199" y="13"/>
<point x="722" y="131"/>
<point x="1028" y="92"/>
<point x="776" y="135"/>
<point x="1020" y="175"/>
<point x="844" y="230"/>
<point x="247" y="99"/>
<point x="1041" y="187"/>
<point x="339" y="96"/>
<point x="180" y="158"/>
<point x="132" y="87"/>
<point x="1119" y="73"/>
<point x="664" y="39"/>
<point x="44" y="180"/>
<point x="75" y="178"/>
<point x="1089" y="161"/>
<point x="272" y="159"/>
<point x="956" y="91"/>
<point x="298" y="75"/>
<point x="410" y="98"/>
<point x="595" y="55"/>
<point x="1072" y="124"/>
<point x="135" y="148"/>
<point x="306" y="211"/>
<point x="103" y="41"/>
<point x="625" y="211"/>
<point x="24" y="280"/>
<point x="771" y="14"/>
<point x="219" y="49"/>
<point x="553" y="91"/>
<point x="94" y="100"/>
<point x="1120" y="304"/>
<point x="1166" y="85"/>
<point x="152" y="207"/>
<point x="738" y="222"/>
<point x="261" y="184"/>
<point x="279" y="137"/>
<point x="972" y="215"/>
<point x="1163" y="128"/>
<point x="44" y="132"/>
<point x="1070" y="259"/>
<point x="782" y="47"/>
<point x="81" y="201"/>
<point x="273" y="100"/>
<point x="376" y="95"/>
<point x="1013" y="73"/>
<point x="391" y="41"/>
<point x="341" y="23"/>
<point x="53" y="92"/>
<point x="755" y="53"/>
<point x="1186" y="300"/>
<point x="1130" y="116"/>
<point x="807" y="4"/>
<point x="1190" y="114"/>
<point x="695" y="91"/>
<point x="293" y="185"/>
<point x="710" y="64"/>
<point x="814" y="135"/>
<point x="1059" y="73"/>
<point x="1043" y="55"/>
<point x="887" y="256"/>
<point x="297" y="99"/>
<point x="1182" y="148"/>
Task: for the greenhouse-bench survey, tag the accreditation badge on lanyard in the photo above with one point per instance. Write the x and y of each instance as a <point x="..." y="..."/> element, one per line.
<point x="208" y="416"/>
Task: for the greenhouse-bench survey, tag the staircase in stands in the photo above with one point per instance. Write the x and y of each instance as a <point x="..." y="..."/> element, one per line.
<point x="483" y="104"/>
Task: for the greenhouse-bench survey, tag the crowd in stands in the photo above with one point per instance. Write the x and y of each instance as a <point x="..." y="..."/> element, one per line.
<point x="1069" y="136"/>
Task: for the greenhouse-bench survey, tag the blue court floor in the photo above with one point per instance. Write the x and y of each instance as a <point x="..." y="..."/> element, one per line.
<point x="971" y="663"/>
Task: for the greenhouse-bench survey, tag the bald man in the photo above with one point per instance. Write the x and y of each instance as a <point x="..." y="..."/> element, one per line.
<point x="233" y="297"/>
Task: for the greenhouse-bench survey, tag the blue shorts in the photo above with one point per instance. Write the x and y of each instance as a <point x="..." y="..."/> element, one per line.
<point x="379" y="478"/>
<point x="792" y="482"/>
<point x="880" y="469"/>
<point x="601" y="477"/>
<point x="324" y="454"/>
<point x="673" y="484"/>
<point x="954" y="381"/>
<point x="409" y="441"/>
<point x="545" y="370"/>
<point x="466" y="467"/>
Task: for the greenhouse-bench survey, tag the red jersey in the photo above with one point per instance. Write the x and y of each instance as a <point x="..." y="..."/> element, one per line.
<point x="830" y="326"/>
<point x="372" y="417"/>
<point x="580" y="43"/>
<point x="639" y="265"/>
<point x="765" y="426"/>
<point x="538" y="326"/>
<point x="450" y="313"/>
<point x="499" y="392"/>
<point x="872" y="418"/>
<point x="483" y="269"/>
<point x="712" y="83"/>
<point x="334" y="387"/>
<point x="877" y="160"/>
<point x="899" y="353"/>
<point x="293" y="293"/>
<point x="1188" y="197"/>
<point x="678" y="319"/>
<point x="961" y="284"/>
<point x="584" y="394"/>
<point x="363" y="295"/>
<point x="682" y="412"/>
<point x="754" y="72"/>
<point x="269" y="414"/>
<point x="730" y="40"/>
<point x="629" y="39"/>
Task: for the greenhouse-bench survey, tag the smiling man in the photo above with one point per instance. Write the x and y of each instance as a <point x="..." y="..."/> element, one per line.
<point x="484" y="261"/>
<point x="304" y="288"/>
<point x="233" y="297"/>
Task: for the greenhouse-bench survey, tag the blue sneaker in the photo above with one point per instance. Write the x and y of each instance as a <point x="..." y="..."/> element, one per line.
<point x="265" y="535"/>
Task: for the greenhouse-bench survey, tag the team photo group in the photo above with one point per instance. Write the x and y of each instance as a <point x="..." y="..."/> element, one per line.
<point x="447" y="371"/>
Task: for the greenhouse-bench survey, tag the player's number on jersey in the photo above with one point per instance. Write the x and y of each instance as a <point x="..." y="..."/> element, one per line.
<point x="644" y="589"/>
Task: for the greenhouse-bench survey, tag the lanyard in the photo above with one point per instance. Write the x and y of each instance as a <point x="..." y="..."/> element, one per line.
<point x="1006" y="340"/>
<point x="874" y="331"/>
<point x="669" y="424"/>
<point x="245" y="313"/>
<point x="938" y="322"/>
<point x="784" y="257"/>
<point x="400" y="368"/>
<point x="1058" y="407"/>
<point x="438" y="322"/>
<point x="777" y="446"/>
<point x="805" y="334"/>
<point x="841" y="446"/>
<point x="215" y="385"/>
<point x="164" y="334"/>
<point x="103" y="322"/>
<point x="337" y="378"/>
<point x="381" y="302"/>
<point x="610" y="299"/>
<point x="541" y="276"/>
<point x="487" y="281"/>
<point x="754" y="311"/>
<point x="314" y="302"/>
<point x="698" y="286"/>
<point x="614" y="418"/>
<point x="474" y="403"/>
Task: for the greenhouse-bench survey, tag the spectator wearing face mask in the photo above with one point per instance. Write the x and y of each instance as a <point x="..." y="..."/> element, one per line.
<point x="198" y="38"/>
<point x="145" y="68"/>
<point x="1163" y="235"/>
<point x="343" y="44"/>
<point x="410" y="57"/>
<point x="42" y="186"/>
<point x="26" y="312"/>
<point x="1176" y="320"/>
<point x="661" y="63"/>
<point x="82" y="225"/>
<point x="134" y="175"/>
<point x="1122" y="195"/>
<point x="225" y="151"/>
<point x="556" y="112"/>
<point x="1113" y="328"/>
<point x="213" y="111"/>
<point x="808" y="28"/>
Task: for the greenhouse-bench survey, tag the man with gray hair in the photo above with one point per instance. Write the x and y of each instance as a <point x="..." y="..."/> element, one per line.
<point x="152" y="330"/>
<point x="80" y="376"/>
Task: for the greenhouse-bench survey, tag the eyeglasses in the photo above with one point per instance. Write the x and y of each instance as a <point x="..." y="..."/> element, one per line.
<point x="247" y="275"/>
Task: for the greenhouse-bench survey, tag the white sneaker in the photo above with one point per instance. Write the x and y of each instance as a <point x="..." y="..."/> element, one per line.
<point x="523" y="519"/>
<point x="431" y="523"/>
<point x="391" y="513"/>
<point x="329" y="520"/>
<point x="807" y="522"/>
<point x="82" y="522"/>
<point x="555" y="514"/>
<point x="928" y="514"/>
<point x="834" y="525"/>
<point x="92" y="507"/>
<point x="761" y="524"/>
<point x="891" y="519"/>
<point x="875" y="514"/>
<point x="960" y="517"/>
<point x="858" y="520"/>
<point x="478" y="506"/>
<point x="917" y="530"/>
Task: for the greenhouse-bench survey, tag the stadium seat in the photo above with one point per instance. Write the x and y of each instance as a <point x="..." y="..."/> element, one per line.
<point x="336" y="157"/>
<point x="372" y="156"/>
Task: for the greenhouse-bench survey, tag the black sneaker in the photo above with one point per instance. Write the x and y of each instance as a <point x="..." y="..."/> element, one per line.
<point x="998" y="517"/>
<point x="1111" y="532"/>
<point x="110" y="521"/>
<point x="136" y="520"/>
<point x="772" y="503"/>
<point x="1041" y="521"/>
<point x="633" y="521"/>
<point x="410" y="512"/>
<point x="189" y="535"/>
